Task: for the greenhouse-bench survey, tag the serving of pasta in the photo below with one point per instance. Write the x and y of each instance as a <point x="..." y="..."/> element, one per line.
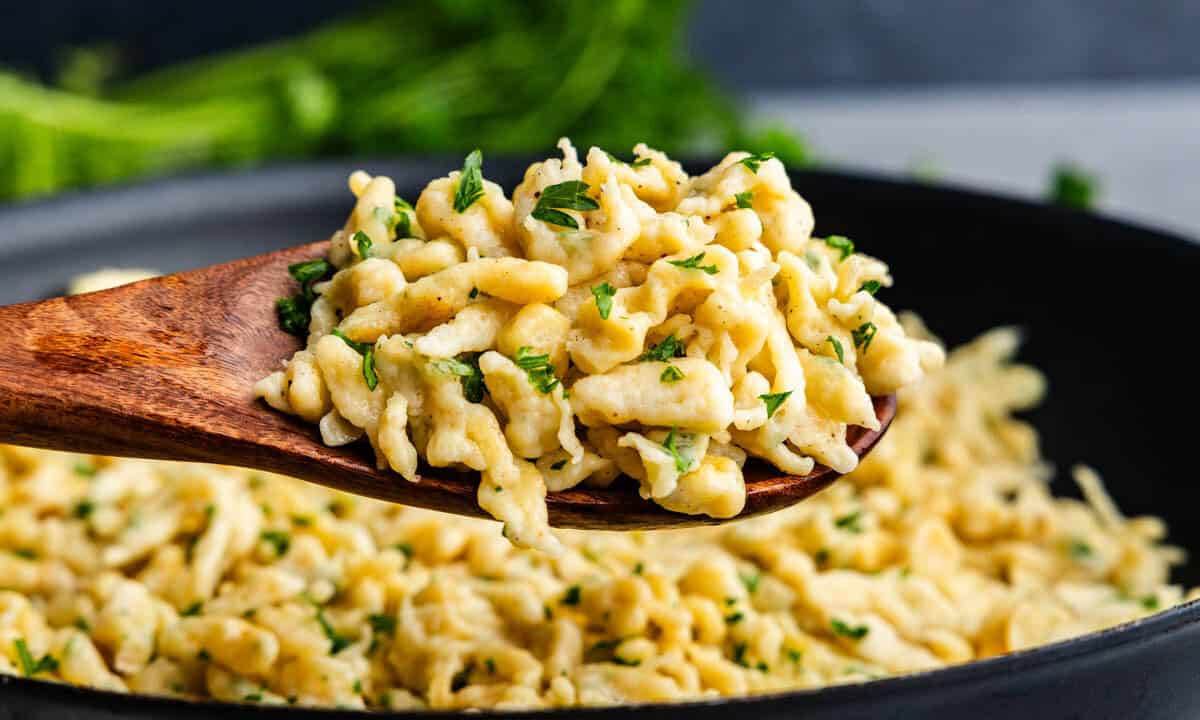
<point x="612" y="318"/>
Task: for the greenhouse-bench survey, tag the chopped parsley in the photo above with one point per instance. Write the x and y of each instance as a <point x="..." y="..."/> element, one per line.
<point x="362" y="243"/>
<point x="854" y="632"/>
<point x="850" y="522"/>
<point x="751" y="582"/>
<point x="739" y="654"/>
<point x="863" y="335"/>
<point x="302" y="520"/>
<point x="29" y="666"/>
<point x="470" y="182"/>
<point x="744" y="200"/>
<point x="639" y="568"/>
<point x="1072" y="187"/>
<point x="794" y="655"/>
<point x="735" y="618"/>
<point x="604" y="293"/>
<point x="774" y="400"/>
<point x="664" y="351"/>
<point x="382" y="624"/>
<point x="558" y="465"/>
<point x="405" y="549"/>
<point x="253" y="697"/>
<point x="27" y="553"/>
<point x="618" y="660"/>
<point x="837" y="348"/>
<point x="871" y="286"/>
<point x="367" y="350"/>
<point x="640" y="162"/>
<point x="293" y="312"/>
<point x="474" y="293"/>
<point x="84" y="470"/>
<point x="83" y="509"/>
<point x="842" y="244"/>
<point x="573" y="595"/>
<point x="669" y="444"/>
<point x="490" y="664"/>
<point x="1149" y="602"/>
<point x="538" y="368"/>
<point x="466" y="367"/>
<point x="752" y="162"/>
<point x="462" y="678"/>
<point x="194" y="609"/>
<point x="82" y="625"/>
<point x="279" y="539"/>
<point x="671" y="374"/>
<point x="402" y="222"/>
<point x="337" y="642"/>
<point x="693" y="263"/>
<point x="569" y="195"/>
<point x="1079" y="550"/>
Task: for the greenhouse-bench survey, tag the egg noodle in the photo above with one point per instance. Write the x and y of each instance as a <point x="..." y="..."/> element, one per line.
<point x="685" y="322"/>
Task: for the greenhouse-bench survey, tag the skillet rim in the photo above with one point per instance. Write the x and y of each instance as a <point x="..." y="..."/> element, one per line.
<point x="34" y="224"/>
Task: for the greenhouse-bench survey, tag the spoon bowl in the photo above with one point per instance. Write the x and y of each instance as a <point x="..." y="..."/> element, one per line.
<point x="164" y="368"/>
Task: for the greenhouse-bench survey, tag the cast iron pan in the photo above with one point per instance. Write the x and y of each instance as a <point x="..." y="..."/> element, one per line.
<point x="1121" y="393"/>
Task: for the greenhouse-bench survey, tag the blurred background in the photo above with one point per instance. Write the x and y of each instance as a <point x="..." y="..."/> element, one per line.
<point x="1083" y="102"/>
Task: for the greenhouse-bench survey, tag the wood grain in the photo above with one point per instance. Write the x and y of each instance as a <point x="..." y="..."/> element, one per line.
<point x="164" y="369"/>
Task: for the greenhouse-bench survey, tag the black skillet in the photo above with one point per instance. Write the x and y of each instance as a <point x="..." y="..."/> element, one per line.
<point x="1109" y="314"/>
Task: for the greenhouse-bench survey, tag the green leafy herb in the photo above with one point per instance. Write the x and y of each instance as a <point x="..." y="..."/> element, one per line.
<point x="735" y="618"/>
<point x="462" y="678"/>
<point x="854" y="632"/>
<point x="253" y="697"/>
<point x="821" y="556"/>
<point x="474" y="293"/>
<point x="871" y="286"/>
<point x="671" y="374"/>
<point x="752" y="162"/>
<point x="279" y="539"/>
<point x="739" y="654"/>
<point x="863" y="335"/>
<point x="1149" y="602"/>
<point x="405" y="549"/>
<point x="774" y="400"/>
<point x="337" y="642"/>
<point x="639" y="568"/>
<point x="30" y="667"/>
<point x="850" y="522"/>
<point x="618" y="660"/>
<point x="1079" y="550"/>
<point x="362" y="242"/>
<point x="294" y="312"/>
<point x="837" y="348"/>
<point x="604" y="293"/>
<point x="466" y="367"/>
<point x="203" y="655"/>
<point x="744" y="200"/>
<point x="558" y="465"/>
<point x="664" y="351"/>
<point x="83" y="509"/>
<point x="383" y="624"/>
<point x="490" y="664"/>
<point x="640" y="162"/>
<point x="569" y="195"/>
<point x="27" y="553"/>
<point x="84" y="470"/>
<point x="573" y="595"/>
<point x="538" y="368"/>
<point x="751" y="582"/>
<point x="470" y="182"/>
<point x="194" y="609"/>
<point x="367" y="350"/>
<point x="1073" y="187"/>
<point x="302" y="520"/>
<point x="842" y="244"/>
<point x="794" y="655"/>
<point x="669" y="444"/>
<point x="693" y="263"/>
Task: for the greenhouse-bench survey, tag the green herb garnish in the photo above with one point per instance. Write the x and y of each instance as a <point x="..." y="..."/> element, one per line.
<point x="384" y="624"/>
<point x="871" y="286"/>
<point x="466" y="367"/>
<point x="664" y="351"/>
<point x="837" y="348"/>
<point x="83" y="509"/>
<point x="337" y="642"/>
<point x="863" y="335"/>
<point x="640" y="162"/>
<point x="774" y="400"/>
<point x="669" y="444"/>
<point x="1079" y="550"/>
<point x="572" y="596"/>
<point x="739" y="654"/>
<point x="842" y="244"/>
<point x="854" y="632"/>
<point x="751" y="582"/>
<point x="30" y="667"/>
<point x="367" y="350"/>
<point x="569" y="195"/>
<point x="604" y="293"/>
<point x="279" y="539"/>
<point x="735" y="618"/>
<point x="538" y="368"/>
<point x="558" y="465"/>
<point x="362" y="242"/>
<point x="752" y="162"/>
<point x="194" y="609"/>
<point x="744" y="200"/>
<point x="84" y="470"/>
<point x="693" y="263"/>
<point x="470" y="182"/>
<point x="671" y="374"/>
<point x="1073" y="187"/>
<point x="849" y="522"/>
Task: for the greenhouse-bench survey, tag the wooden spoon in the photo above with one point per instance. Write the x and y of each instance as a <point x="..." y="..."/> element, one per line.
<point x="164" y="369"/>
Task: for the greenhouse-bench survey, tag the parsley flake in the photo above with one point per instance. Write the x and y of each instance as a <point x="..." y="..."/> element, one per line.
<point x="744" y="200"/>
<point x="671" y="374"/>
<point x="837" y="348"/>
<point x="640" y="162"/>
<point x="572" y="596"/>
<point x="279" y="539"/>
<point x="870" y="286"/>
<point x="850" y="522"/>
<point x="735" y="618"/>
<point x="664" y="351"/>
<point x="337" y="642"/>
<point x="382" y="624"/>
<point x="362" y="242"/>
<point x="842" y="244"/>
<point x="752" y="162"/>
<point x="367" y="350"/>
<point x="854" y="632"/>
<point x="558" y="465"/>
<point x="751" y="582"/>
<point x="693" y="263"/>
<point x="1079" y="550"/>
<point x="604" y="293"/>
<point x="1072" y="187"/>
<point x="293" y="312"/>
<point x="470" y="182"/>
<point x="84" y="470"/>
<point x="569" y="195"/>
<point x="30" y="667"/>
<point x="466" y="367"/>
<point x="863" y="335"/>
<point x="538" y="368"/>
<point x="83" y="509"/>
<point x="773" y="401"/>
<point x="670" y="444"/>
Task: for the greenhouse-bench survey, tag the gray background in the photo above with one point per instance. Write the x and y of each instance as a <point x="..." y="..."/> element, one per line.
<point x="983" y="92"/>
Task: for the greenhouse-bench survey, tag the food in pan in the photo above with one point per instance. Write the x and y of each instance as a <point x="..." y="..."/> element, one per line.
<point x="943" y="546"/>
<point x="611" y="318"/>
